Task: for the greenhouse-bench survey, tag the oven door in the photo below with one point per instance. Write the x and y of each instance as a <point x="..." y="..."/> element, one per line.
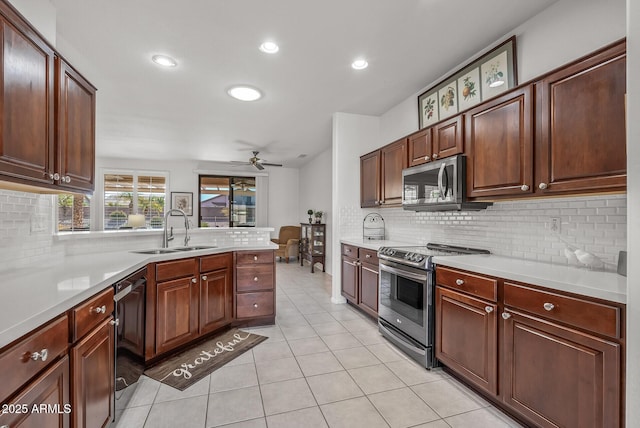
<point x="404" y="299"/>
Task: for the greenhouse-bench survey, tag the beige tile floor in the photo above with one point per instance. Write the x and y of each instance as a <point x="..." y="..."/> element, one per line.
<point x="324" y="365"/>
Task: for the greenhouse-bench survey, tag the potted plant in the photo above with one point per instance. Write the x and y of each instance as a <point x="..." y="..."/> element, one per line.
<point x="318" y="215"/>
<point x="310" y="213"/>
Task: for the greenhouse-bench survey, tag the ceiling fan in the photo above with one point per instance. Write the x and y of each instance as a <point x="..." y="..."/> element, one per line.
<point x="257" y="162"/>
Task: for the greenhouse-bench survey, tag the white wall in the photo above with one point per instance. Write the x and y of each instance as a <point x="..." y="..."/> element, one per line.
<point x="41" y="14"/>
<point x="633" y="222"/>
<point x="284" y="207"/>
<point x="353" y="136"/>
<point x="315" y="194"/>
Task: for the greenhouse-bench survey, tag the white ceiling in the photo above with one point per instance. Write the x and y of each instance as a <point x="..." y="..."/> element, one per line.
<point x="148" y="112"/>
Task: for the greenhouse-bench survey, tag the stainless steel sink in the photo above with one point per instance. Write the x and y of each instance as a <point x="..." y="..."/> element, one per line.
<point x="195" y="247"/>
<point x="157" y="251"/>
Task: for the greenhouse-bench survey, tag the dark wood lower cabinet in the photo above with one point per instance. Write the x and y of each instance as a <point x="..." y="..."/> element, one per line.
<point x="93" y="378"/>
<point x="369" y="288"/>
<point x="350" y="278"/>
<point x="50" y="389"/>
<point x="466" y="337"/>
<point x="559" y="377"/>
<point x="176" y="313"/>
<point x="216" y="300"/>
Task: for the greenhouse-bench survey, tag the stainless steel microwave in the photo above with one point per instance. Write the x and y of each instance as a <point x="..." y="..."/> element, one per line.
<point x="438" y="186"/>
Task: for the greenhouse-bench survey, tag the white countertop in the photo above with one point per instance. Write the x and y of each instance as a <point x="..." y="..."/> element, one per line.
<point x="372" y="244"/>
<point x="32" y="296"/>
<point x="603" y="285"/>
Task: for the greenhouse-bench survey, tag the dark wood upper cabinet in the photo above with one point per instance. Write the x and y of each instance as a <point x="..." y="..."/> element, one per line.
<point x="580" y="131"/>
<point x="448" y="138"/>
<point x="420" y="147"/>
<point x="370" y="180"/>
<point x="47" y="111"/>
<point x="75" y="109"/>
<point x="393" y="159"/>
<point x="499" y="145"/>
<point x="27" y="103"/>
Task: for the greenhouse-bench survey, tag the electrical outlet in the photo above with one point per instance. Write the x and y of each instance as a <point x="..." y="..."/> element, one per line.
<point x="554" y="226"/>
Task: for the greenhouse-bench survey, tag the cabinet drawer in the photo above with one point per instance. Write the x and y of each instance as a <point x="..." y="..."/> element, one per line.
<point x="249" y="305"/>
<point x="17" y="363"/>
<point x="215" y="262"/>
<point x="254" y="257"/>
<point x="350" y="251"/>
<point x="88" y="314"/>
<point x="166" y="271"/>
<point x="254" y="278"/>
<point x="480" y="286"/>
<point x="596" y="317"/>
<point x="368" y="256"/>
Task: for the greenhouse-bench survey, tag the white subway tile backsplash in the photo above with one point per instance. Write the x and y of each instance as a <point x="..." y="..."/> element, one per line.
<point x="513" y="228"/>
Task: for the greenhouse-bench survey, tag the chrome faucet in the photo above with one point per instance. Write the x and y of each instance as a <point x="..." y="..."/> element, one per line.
<point x="168" y="236"/>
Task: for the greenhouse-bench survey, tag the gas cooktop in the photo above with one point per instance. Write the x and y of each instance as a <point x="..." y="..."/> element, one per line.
<point x="420" y="256"/>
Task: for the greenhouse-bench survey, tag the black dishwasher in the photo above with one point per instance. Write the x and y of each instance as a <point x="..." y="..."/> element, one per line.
<point x="130" y="307"/>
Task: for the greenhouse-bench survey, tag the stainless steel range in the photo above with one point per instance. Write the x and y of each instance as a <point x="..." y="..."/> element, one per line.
<point x="406" y="309"/>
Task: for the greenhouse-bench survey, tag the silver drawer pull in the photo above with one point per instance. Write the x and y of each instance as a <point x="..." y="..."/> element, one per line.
<point x="255" y="278"/>
<point x="524" y="188"/>
<point x="40" y="355"/>
<point x="368" y="256"/>
<point x="398" y="321"/>
<point x="506" y="316"/>
<point x="255" y="258"/>
<point x="115" y="322"/>
<point x="488" y="309"/>
<point x="99" y="310"/>
<point x="194" y="280"/>
<point x="255" y="305"/>
<point x="459" y="281"/>
<point x="548" y="306"/>
<point x="204" y="277"/>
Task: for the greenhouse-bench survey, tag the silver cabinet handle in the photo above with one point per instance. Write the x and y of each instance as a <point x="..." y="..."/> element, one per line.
<point x="427" y="158"/>
<point x="542" y="186"/>
<point x="115" y="322"/>
<point x="348" y="250"/>
<point x="506" y="316"/>
<point x="204" y="277"/>
<point x="398" y="321"/>
<point x="194" y="280"/>
<point x="255" y="258"/>
<point x="43" y="354"/>
<point x="99" y="310"/>
<point x="67" y="179"/>
<point x="435" y="156"/>
<point x="368" y="256"/>
<point x="255" y="278"/>
<point x="524" y="188"/>
<point x="488" y="309"/>
<point x="548" y="306"/>
<point x="255" y="305"/>
<point x="459" y="281"/>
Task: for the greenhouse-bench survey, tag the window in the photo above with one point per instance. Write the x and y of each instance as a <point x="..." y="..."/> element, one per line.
<point x="227" y="201"/>
<point x="74" y="212"/>
<point x="133" y="193"/>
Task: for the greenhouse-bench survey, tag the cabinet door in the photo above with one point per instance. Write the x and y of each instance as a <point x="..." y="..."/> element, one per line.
<point x="216" y="300"/>
<point x="350" y="279"/>
<point x="76" y="129"/>
<point x="466" y="337"/>
<point x="580" y="132"/>
<point x="448" y="138"/>
<point x="559" y="377"/>
<point x="176" y="313"/>
<point x="369" y="288"/>
<point x="50" y="389"/>
<point x="499" y="138"/>
<point x="370" y="180"/>
<point x="93" y="378"/>
<point x="393" y="160"/>
<point x="26" y="104"/>
<point x="420" y="147"/>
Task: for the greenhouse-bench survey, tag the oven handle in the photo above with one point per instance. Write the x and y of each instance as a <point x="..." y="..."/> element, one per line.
<point x="402" y="342"/>
<point x="417" y="277"/>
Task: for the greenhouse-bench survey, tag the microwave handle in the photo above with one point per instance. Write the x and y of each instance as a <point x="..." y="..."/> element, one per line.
<point x="441" y="187"/>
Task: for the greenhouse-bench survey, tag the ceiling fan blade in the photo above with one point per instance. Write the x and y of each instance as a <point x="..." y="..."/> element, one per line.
<point x="240" y="163"/>
<point x="258" y="166"/>
<point x="270" y="164"/>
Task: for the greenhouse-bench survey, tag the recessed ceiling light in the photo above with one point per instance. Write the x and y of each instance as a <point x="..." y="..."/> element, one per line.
<point x="163" y="60"/>
<point x="244" y="93"/>
<point x="359" y="64"/>
<point x="269" y="47"/>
